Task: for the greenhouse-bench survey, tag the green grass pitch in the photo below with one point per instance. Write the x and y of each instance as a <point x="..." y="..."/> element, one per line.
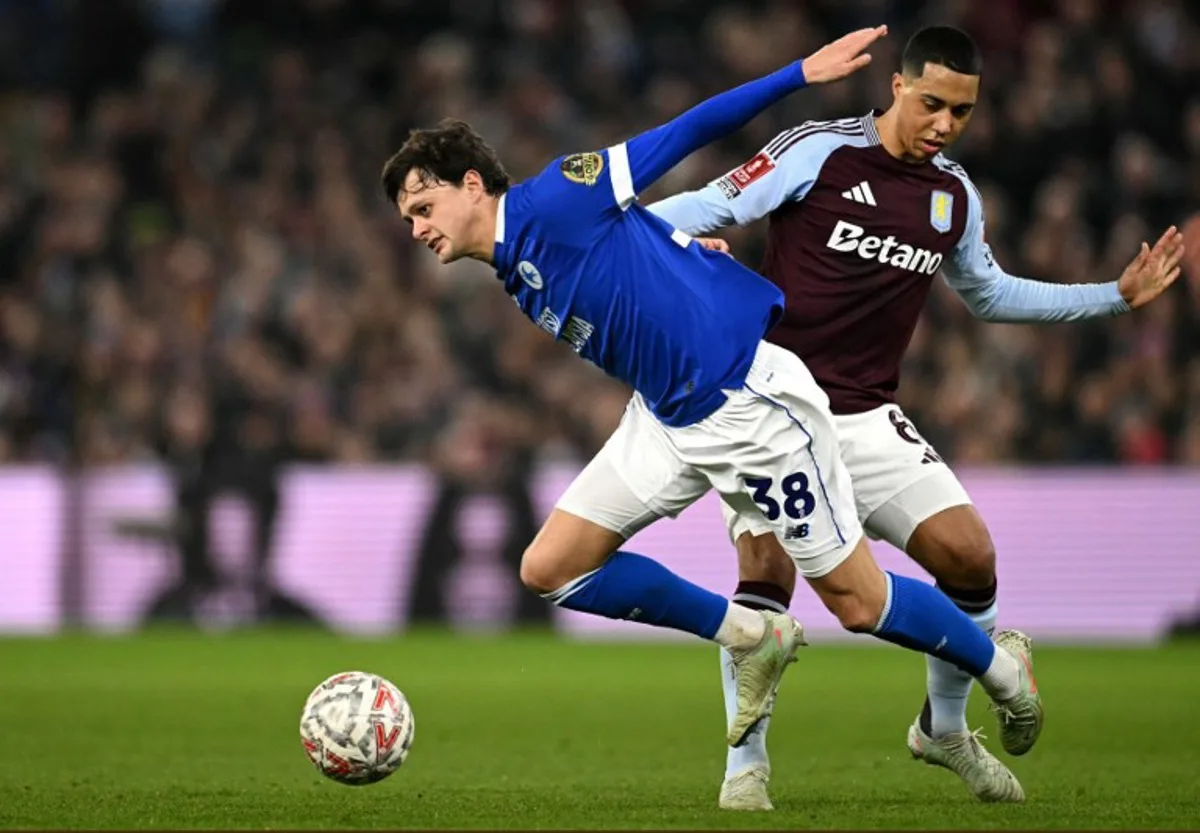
<point x="175" y="729"/>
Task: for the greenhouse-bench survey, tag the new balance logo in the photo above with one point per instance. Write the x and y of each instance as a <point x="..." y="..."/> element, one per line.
<point x="861" y="193"/>
<point x="796" y="533"/>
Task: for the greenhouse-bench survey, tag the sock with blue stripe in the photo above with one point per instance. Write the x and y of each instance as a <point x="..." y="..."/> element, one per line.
<point x="919" y="616"/>
<point x="948" y="687"/>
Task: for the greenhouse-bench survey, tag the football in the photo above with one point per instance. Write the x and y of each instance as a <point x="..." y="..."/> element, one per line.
<point x="357" y="728"/>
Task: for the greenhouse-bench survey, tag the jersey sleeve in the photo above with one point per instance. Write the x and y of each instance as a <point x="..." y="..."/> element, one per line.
<point x="582" y="187"/>
<point x="994" y="295"/>
<point x="639" y="162"/>
<point x="574" y="195"/>
<point x="783" y="171"/>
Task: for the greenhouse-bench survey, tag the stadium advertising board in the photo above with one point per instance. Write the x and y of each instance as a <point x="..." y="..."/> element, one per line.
<point x="1100" y="555"/>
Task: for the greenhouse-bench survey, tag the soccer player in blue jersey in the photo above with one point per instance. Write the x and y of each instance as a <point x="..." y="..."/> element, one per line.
<point x="714" y="406"/>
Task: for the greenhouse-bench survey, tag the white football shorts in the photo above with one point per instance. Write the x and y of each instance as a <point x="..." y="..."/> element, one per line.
<point x="771" y="452"/>
<point x="899" y="480"/>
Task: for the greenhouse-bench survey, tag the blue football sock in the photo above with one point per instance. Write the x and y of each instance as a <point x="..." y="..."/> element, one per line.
<point x="631" y="586"/>
<point x="921" y="617"/>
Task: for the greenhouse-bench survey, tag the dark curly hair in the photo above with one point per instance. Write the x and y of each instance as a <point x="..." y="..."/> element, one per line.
<point x="444" y="153"/>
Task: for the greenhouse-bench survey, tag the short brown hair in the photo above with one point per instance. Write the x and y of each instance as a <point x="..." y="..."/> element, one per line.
<point x="445" y="153"/>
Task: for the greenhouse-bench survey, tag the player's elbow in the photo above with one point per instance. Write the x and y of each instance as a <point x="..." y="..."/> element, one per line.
<point x="994" y="300"/>
<point x="988" y="312"/>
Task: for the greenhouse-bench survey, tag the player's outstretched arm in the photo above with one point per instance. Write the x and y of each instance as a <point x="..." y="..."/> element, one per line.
<point x="754" y="189"/>
<point x="711" y="208"/>
<point x="994" y="295"/>
<point x="646" y="157"/>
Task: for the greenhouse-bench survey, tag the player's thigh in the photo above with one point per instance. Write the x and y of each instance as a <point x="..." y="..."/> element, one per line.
<point x="773" y="456"/>
<point x="635" y="479"/>
<point x="899" y="479"/>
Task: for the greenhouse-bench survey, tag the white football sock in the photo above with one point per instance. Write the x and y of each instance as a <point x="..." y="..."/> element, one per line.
<point x="948" y="686"/>
<point x="741" y="629"/>
<point x="1003" y="677"/>
<point x="754" y="751"/>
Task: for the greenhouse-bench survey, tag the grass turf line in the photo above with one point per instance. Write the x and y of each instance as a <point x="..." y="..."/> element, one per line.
<point x="175" y="729"/>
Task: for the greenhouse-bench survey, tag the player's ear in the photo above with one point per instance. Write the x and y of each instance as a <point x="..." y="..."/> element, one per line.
<point x="473" y="184"/>
<point x="899" y="82"/>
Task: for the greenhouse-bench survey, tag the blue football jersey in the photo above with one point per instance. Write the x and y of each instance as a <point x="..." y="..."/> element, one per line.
<point x="625" y="289"/>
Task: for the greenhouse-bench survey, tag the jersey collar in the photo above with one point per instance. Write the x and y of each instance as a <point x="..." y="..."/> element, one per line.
<point x="500" y="217"/>
<point x="498" y="249"/>
<point x="868" y="123"/>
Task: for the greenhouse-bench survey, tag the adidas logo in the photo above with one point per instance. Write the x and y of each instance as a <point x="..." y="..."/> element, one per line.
<point x="861" y="193"/>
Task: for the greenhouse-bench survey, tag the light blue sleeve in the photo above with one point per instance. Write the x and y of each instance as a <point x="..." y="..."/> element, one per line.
<point x="994" y="295"/>
<point x="781" y="172"/>
<point x="696" y="212"/>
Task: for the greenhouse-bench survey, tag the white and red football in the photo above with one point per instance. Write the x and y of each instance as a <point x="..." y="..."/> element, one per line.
<point x="357" y="728"/>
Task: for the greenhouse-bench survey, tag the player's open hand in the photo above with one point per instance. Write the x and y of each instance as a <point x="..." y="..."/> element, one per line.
<point x="1153" y="270"/>
<point x="714" y="244"/>
<point x="844" y="56"/>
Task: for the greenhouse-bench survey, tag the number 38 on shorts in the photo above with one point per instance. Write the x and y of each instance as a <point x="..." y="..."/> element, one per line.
<point x="810" y="512"/>
<point x="791" y="498"/>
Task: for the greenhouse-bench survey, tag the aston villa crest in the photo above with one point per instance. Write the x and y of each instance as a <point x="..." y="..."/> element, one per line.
<point x="941" y="210"/>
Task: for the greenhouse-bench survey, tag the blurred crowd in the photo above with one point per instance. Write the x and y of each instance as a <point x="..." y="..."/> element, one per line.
<point x="196" y="257"/>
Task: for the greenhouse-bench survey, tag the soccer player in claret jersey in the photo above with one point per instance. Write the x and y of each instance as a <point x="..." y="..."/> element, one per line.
<point x="863" y="213"/>
<point x="715" y="406"/>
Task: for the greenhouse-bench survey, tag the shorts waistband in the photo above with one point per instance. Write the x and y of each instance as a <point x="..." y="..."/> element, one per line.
<point x="768" y="358"/>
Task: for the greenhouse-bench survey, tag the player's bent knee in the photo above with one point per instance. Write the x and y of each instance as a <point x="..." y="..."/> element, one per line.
<point x="565" y="548"/>
<point x="956" y="548"/>
<point x="975" y="564"/>
<point x="539" y="573"/>
<point x="857" y="614"/>
<point x="544" y="571"/>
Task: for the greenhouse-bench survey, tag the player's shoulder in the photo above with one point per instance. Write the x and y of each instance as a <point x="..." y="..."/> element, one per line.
<point x="819" y="135"/>
<point x="574" y="184"/>
<point x="956" y="172"/>
<point x="570" y="174"/>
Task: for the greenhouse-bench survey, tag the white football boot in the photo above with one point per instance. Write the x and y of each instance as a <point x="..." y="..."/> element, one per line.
<point x="961" y="752"/>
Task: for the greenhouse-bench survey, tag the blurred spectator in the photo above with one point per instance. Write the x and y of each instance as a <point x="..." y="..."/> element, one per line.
<point x="191" y="227"/>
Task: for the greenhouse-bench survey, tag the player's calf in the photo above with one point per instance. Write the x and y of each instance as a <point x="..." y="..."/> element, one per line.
<point x="572" y="563"/>
<point x="917" y="616"/>
<point x="855" y="591"/>
<point x="955" y="547"/>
